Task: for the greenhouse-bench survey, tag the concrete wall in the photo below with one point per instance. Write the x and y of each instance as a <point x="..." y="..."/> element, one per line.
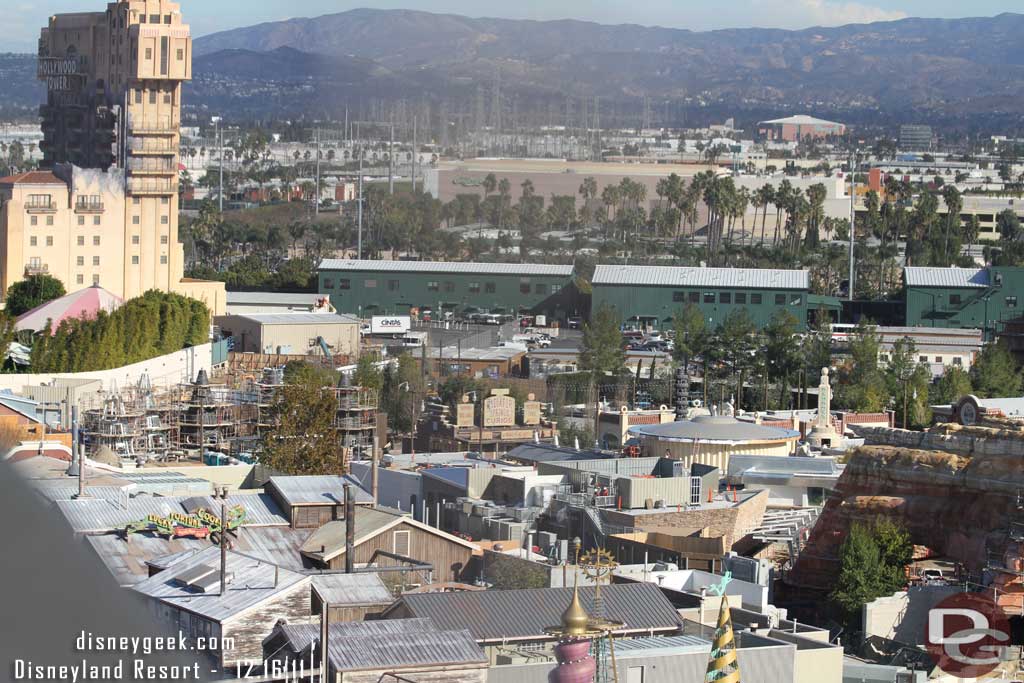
<point x="163" y="371"/>
<point x="715" y="455"/>
<point x="903" y="616"/>
<point x="732" y="522"/>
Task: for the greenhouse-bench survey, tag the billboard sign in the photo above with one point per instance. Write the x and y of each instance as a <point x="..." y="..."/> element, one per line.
<point x="390" y="324"/>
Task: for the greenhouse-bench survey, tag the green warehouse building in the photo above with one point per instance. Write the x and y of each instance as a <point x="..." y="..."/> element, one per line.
<point x="368" y="288"/>
<point x="653" y="295"/>
<point x="980" y="298"/>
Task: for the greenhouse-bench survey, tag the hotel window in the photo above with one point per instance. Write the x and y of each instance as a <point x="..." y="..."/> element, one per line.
<point x="780" y="299"/>
<point x="709" y="297"/>
<point x="35" y="263"/>
<point x="958" y="361"/>
<point x="163" y="259"/>
<point x="95" y="260"/>
<point x="138" y="96"/>
<point x="693" y="297"/>
<point x="181" y="54"/>
<point x="49" y="240"/>
<point x="741" y="298"/>
<point x="163" y="220"/>
<point x="39" y="201"/>
<point x="678" y="297"/>
<point x="81" y="220"/>
<point x="149" y="53"/>
<point x="344" y="283"/>
<point x="136" y="200"/>
<point x="135" y="239"/>
<point x="81" y="240"/>
<point x="490" y="287"/>
<point x="163" y="239"/>
<point x="725" y="298"/>
<point x="1011" y="302"/>
<point x="165" y="201"/>
<point x="922" y="359"/>
<point x="154" y="18"/>
<point x="165" y="54"/>
<point x="370" y="284"/>
<point x="95" y="279"/>
<point x="433" y="286"/>
<point x="394" y="285"/>
<point x="80" y="279"/>
<point x="142" y="18"/>
<point x="135" y="220"/>
<point x="32" y="241"/>
<point x="95" y="220"/>
<point x="95" y="240"/>
<point x="135" y="260"/>
<point x="167" y="18"/>
<point x="167" y="98"/>
<point x="152" y="96"/>
<point x="80" y="261"/>
<point x="474" y="287"/>
<point x="49" y="220"/>
<point x="755" y="299"/>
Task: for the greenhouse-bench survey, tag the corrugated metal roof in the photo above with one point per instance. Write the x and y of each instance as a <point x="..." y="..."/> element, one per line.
<point x="276" y="544"/>
<point x="298" y="318"/>
<point x="530" y="452"/>
<point x="331" y="536"/>
<point x="643" y="646"/>
<point x="317" y="490"/>
<point x="739" y="464"/>
<point x="398" y="650"/>
<point x="802" y="120"/>
<point x="363" y="588"/>
<point x="260" y="508"/>
<point x="299" y="636"/>
<point x="96" y="515"/>
<point x="441" y="267"/>
<point x="272" y="298"/>
<point x="672" y="276"/>
<point x="957" y="278"/>
<point x="497" y="615"/>
<point x="252" y="582"/>
<point x="127" y="560"/>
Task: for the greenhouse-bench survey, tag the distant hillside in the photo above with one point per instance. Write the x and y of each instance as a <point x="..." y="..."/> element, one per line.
<point x="937" y="64"/>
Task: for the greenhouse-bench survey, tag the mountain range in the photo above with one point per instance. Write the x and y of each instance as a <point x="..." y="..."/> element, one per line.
<point x="947" y="66"/>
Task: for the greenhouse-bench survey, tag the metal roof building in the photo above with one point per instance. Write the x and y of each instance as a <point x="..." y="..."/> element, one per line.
<point x="520" y="615"/>
<point x="980" y="298"/>
<point x="712" y="440"/>
<point x="654" y="295"/>
<point x="292" y="333"/>
<point x="370" y="288"/>
<point x="317" y="490"/>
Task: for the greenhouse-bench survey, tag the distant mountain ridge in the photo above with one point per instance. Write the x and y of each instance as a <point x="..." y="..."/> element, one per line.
<point x="929" y="63"/>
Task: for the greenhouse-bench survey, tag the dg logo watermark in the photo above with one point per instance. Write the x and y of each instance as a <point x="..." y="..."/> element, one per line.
<point x="968" y="635"/>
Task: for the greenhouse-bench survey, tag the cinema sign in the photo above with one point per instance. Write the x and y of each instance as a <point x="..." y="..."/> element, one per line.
<point x="61" y="73"/>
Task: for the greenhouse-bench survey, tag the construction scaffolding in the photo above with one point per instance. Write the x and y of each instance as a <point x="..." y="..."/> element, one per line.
<point x="356" y="416"/>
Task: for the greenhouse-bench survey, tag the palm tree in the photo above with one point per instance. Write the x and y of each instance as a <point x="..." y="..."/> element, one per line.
<point x="954" y="204"/>
<point x="763" y="197"/>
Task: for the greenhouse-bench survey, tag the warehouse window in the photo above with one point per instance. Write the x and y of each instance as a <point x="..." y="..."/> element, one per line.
<point x="433" y="286"/>
<point x="474" y="287"/>
<point x="741" y="298"/>
<point x="344" y="283"/>
<point x="954" y="299"/>
<point x="449" y="287"/>
<point x="958" y="361"/>
<point x="524" y="287"/>
<point x="1011" y="302"/>
<point x="400" y="543"/>
<point x="709" y="297"/>
<point x="328" y="283"/>
<point x="780" y="299"/>
<point x="795" y="300"/>
<point x="490" y="287"/>
<point x="693" y="297"/>
<point x="725" y="298"/>
<point x="755" y="299"/>
<point x="540" y="289"/>
<point x="393" y="285"/>
<point x="370" y="284"/>
<point x="938" y="359"/>
<point x="678" y="297"/>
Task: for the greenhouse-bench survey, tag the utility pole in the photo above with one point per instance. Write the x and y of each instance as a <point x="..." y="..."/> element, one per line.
<point x="223" y="540"/>
<point x="414" y="123"/>
<point x="359" y="241"/>
<point x="853" y="216"/>
<point x="220" y="146"/>
<point x="316" y="189"/>
<point x="391" y="162"/>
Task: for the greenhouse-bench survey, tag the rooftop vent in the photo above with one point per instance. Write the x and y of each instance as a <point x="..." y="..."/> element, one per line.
<point x="202" y="578"/>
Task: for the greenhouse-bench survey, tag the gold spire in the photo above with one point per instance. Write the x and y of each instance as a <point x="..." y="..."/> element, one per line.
<point x="575" y="620"/>
<point x="723" y="666"/>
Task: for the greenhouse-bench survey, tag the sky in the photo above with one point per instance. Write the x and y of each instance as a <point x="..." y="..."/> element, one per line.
<point x="22" y="20"/>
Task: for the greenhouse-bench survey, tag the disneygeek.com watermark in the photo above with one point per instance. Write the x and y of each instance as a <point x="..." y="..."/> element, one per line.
<point x="968" y="635"/>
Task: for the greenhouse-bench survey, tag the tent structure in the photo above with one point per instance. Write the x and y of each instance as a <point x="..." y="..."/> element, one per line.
<point x="85" y="303"/>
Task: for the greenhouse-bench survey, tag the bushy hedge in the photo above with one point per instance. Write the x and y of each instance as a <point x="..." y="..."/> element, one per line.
<point x="151" y="325"/>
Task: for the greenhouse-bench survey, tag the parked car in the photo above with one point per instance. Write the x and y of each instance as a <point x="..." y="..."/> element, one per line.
<point x="574" y="323"/>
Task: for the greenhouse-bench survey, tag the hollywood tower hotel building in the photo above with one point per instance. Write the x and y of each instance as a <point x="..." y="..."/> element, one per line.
<point x="103" y="209"/>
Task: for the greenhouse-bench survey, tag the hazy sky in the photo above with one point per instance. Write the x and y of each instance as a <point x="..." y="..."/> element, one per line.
<point x="22" y="19"/>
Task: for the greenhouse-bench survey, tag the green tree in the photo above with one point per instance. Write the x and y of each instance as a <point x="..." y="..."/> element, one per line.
<point x="862" y="386"/>
<point x="954" y="384"/>
<point x="1008" y="225"/>
<point x="34" y="290"/>
<point x="908" y="383"/>
<point x="781" y="354"/>
<point x="367" y="375"/>
<point x="602" y="352"/>
<point x="401" y="393"/>
<point x="691" y="335"/>
<point x="995" y="373"/>
<point x="872" y="561"/>
<point x="302" y="439"/>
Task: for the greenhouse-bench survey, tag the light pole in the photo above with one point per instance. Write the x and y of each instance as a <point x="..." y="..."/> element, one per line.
<point x="220" y="162"/>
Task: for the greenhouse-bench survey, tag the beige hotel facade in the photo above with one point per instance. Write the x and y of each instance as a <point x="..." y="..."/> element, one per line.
<point x="103" y="208"/>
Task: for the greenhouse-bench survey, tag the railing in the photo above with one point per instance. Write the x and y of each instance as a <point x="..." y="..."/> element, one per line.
<point x="37" y="269"/>
<point x="41" y="206"/>
<point x="160" y="124"/>
<point x="152" y="185"/>
<point x="354" y="423"/>
<point x="89" y="207"/>
<point x="150" y="145"/>
<point x="152" y="166"/>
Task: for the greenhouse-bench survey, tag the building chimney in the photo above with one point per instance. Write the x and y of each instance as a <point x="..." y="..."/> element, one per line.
<point x="350" y="528"/>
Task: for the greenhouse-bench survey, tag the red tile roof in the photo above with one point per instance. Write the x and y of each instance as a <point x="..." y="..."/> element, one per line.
<point x="32" y="178"/>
